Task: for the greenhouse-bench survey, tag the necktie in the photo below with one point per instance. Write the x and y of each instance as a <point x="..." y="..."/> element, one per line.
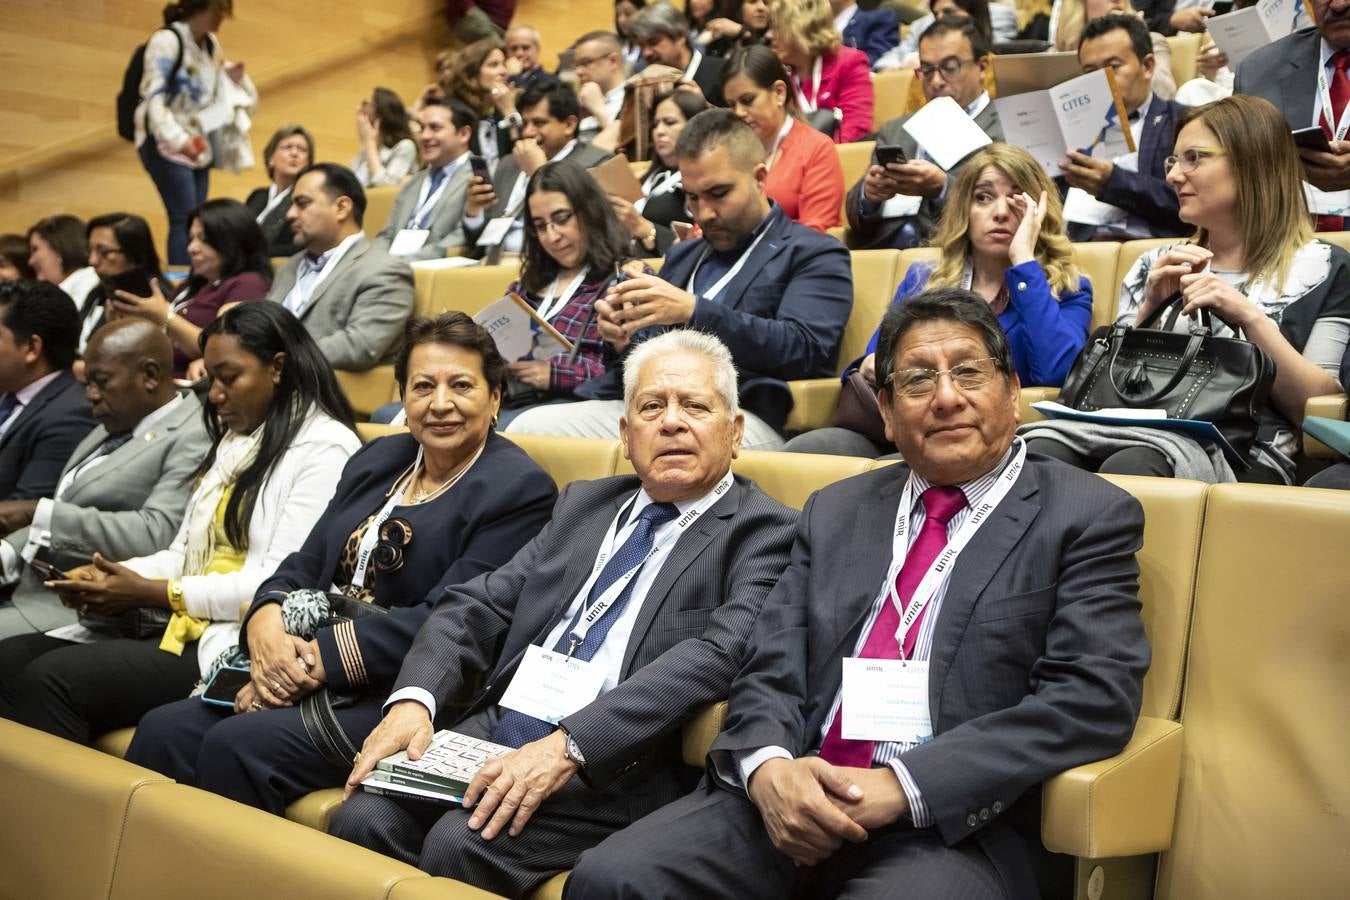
<point x="940" y="504"/>
<point x="104" y="448"/>
<point x="420" y="215"/>
<point x="1340" y="96"/>
<point x="517" y="729"/>
<point x="8" y="404"/>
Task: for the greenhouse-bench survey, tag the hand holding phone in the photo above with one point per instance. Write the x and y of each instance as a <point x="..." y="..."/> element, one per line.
<point x="890" y="154"/>
<point x="46" y="571"/>
<point x="1313" y="138"/>
<point x="227" y="682"/>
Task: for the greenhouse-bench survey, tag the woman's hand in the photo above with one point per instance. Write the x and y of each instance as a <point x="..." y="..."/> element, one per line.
<point x="1164" y="279"/>
<point x="1022" y="249"/>
<point x="723" y="28"/>
<point x="632" y="220"/>
<point x="1210" y="60"/>
<point x="236" y="72"/>
<point x="280" y="663"/>
<point x="367" y="128"/>
<point x="246" y="701"/>
<point x="533" y="372"/>
<point x="504" y="98"/>
<point x="196" y="370"/>
<point x="1205" y="290"/>
<point x="108" y="588"/>
<point x="153" y="308"/>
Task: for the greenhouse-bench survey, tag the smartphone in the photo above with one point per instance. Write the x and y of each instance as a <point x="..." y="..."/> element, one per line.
<point x="888" y="154"/>
<point x="133" y="281"/>
<point x="478" y="165"/>
<point x="47" y="571"/>
<point x="1221" y="7"/>
<point x="1313" y="138"/>
<point x="683" y="230"/>
<point x="227" y="682"/>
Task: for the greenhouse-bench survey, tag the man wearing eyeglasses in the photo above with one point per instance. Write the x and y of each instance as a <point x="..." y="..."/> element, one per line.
<point x="599" y="67"/>
<point x="898" y="204"/>
<point x="950" y="633"/>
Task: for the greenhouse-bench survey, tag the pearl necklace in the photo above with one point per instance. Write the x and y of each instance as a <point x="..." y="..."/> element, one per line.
<point x="424" y="496"/>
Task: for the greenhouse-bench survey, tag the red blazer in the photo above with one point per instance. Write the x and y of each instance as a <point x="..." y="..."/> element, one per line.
<point x="808" y="179"/>
<point x="846" y="85"/>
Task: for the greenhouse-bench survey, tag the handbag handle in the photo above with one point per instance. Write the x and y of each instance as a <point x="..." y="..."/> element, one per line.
<point x="1192" y="351"/>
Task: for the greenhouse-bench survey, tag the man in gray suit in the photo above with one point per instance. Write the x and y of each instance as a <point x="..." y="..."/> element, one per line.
<point x="949" y="634"/>
<point x="123" y="490"/>
<point x="551" y="114"/>
<point x="647" y="586"/>
<point x="428" y="214"/>
<point x="898" y="204"/>
<point x="352" y="296"/>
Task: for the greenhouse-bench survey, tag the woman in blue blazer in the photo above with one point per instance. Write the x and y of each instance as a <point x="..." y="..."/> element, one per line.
<point x="412" y="515"/>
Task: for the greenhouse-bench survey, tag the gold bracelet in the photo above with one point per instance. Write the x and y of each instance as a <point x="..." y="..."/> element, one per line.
<point x="175" y="593"/>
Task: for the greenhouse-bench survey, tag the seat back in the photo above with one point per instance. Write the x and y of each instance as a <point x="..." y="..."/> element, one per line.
<point x="1339" y="238"/>
<point x="874" y="281"/>
<point x="890" y="91"/>
<point x="1264" y="800"/>
<point x="1185" y="49"/>
<point x="1129" y="254"/>
<point x="790" y="478"/>
<point x="424" y="288"/>
<point x="379" y="204"/>
<point x="1097" y="260"/>
<point x="470" y="288"/>
<point x="569" y="459"/>
<point x="854" y="159"/>
<point x="368" y="391"/>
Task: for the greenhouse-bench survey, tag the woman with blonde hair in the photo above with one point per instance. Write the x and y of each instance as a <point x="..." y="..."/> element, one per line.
<point x="833" y="83"/>
<point x="1066" y="30"/>
<point x="1254" y="264"/>
<point x="478" y="80"/>
<point x="1001" y="235"/>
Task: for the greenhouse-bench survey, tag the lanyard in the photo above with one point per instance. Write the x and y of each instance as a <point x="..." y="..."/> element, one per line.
<point x="712" y="292"/>
<point x="372" y="535"/>
<point x="941" y="569"/>
<point x="1342" y="125"/>
<point x="273" y="202"/>
<point x="694" y="60"/>
<point x="425" y="205"/>
<point x="589" y="615"/>
<point x="663" y="182"/>
<point x="771" y="159"/>
<point x="548" y="307"/>
<point x="810" y="105"/>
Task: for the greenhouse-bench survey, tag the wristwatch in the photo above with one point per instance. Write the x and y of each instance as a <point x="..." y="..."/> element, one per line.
<point x="572" y="753"/>
<point x="511" y="120"/>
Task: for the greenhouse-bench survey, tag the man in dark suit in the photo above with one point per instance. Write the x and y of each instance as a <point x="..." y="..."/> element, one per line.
<point x="524" y="44"/>
<point x="1115" y="195"/>
<point x="950" y="633"/>
<point x="669" y="569"/>
<point x="43" y="413"/>
<point x="1286" y="73"/>
<point x="775" y="292"/>
<point x="898" y="204"/>
<point x="871" y="31"/>
<point x="662" y="32"/>
<point x="551" y="115"/>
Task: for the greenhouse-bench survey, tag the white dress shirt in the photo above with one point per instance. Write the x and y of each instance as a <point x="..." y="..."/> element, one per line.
<point x="308" y="279"/>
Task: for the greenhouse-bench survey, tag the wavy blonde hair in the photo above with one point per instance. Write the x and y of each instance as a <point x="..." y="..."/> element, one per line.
<point x="807" y="23"/>
<point x="952" y="236"/>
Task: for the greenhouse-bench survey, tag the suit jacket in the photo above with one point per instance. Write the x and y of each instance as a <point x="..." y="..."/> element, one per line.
<point x="685" y="647"/>
<point x="276" y="230"/>
<point x="1037" y="662"/>
<point x="845" y="85"/>
<point x="474" y="527"/>
<point x="877" y="233"/>
<point x="782" y="316"/>
<point x="41" y="438"/>
<point x="1285" y="73"/>
<point x="131" y="504"/>
<point x="873" y="32"/>
<point x="357" y="314"/>
<point x="446" y="224"/>
<point x="708" y="77"/>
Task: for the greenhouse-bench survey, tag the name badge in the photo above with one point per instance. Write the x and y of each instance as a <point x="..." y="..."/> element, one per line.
<point x="550" y="686"/>
<point x="901" y="206"/>
<point x="408" y="241"/>
<point x="886" y="700"/>
<point x="495" y="231"/>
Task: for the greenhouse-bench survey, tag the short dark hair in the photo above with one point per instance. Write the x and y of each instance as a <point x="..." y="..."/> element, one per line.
<point x="231" y="229"/>
<point x="133" y="236"/>
<point x="1140" y="40"/>
<point x="391" y="115"/>
<point x="67" y="237"/>
<point x="458" y="330"/>
<point x="285" y="131"/>
<point x="14" y="248"/>
<point x="461" y="116"/>
<point x="946" y="304"/>
<point x="719" y="128"/>
<point x="951" y="23"/>
<point x="562" y="100"/>
<point x="40" y="308"/>
<point x="340" y="181"/>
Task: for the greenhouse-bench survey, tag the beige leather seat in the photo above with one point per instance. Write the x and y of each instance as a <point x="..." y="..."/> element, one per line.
<point x="470" y="288"/>
<point x="891" y="92"/>
<point x="379" y="204"/>
<point x="570" y="459"/>
<point x="369" y="390"/>
<point x="854" y="158"/>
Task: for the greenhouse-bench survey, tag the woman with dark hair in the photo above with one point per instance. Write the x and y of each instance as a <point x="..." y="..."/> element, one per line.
<point x="413" y="514"/>
<point x="185" y="74"/>
<point x="624" y="13"/>
<point x="281" y="433"/>
<point x="14" y="258"/>
<point x="229" y="264"/>
<point x="805" y="176"/>
<point x="997" y="21"/>
<point x="289" y="151"/>
<point x="743" y="23"/>
<point x="121" y="249"/>
<point x="388" y="152"/>
<point x="648" y="220"/>
<point x="478" y="80"/>
<point x="58" y="253"/>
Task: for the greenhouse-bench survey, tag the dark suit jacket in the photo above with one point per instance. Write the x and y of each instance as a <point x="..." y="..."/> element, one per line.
<point x="661" y="210"/>
<point x="782" y="316"/>
<point x="1038" y="657"/>
<point x="1158" y="14"/>
<point x="41" y="438"/>
<point x="685" y="647"/>
<point x="877" y="233"/>
<point x="1285" y="73"/>
<point x="873" y="32"/>
<point x="276" y="230"/>
<point x="708" y="77"/>
<point x="475" y="526"/>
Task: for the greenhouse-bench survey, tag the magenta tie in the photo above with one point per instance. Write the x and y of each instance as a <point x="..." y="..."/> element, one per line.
<point x="1340" y="96"/>
<point x="939" y="505"/>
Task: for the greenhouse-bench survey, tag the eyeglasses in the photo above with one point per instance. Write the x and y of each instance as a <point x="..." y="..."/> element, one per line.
<point x="949" y="68"/>
<point x="296" y="146"/>
<point x="916" y="384"/>
<point x="104" y="252"/>
<point x="558" y="220"/>
<point x="585" y="62"/>
<point x="1191" y="158"/>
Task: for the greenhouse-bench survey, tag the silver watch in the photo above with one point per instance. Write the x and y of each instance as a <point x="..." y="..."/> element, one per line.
<point x="512" y="120"/>
<point x="573" y="753"/>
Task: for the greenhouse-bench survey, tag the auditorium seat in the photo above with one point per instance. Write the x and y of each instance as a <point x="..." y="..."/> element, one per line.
<point x="368" y="391"/>
<point x="115" y="743"/>
<point x="891" y="96"/>
<point x="855" y="159"/>
<point x="468" y="289"/>
<point x="379" y="204"/>
<point x="574" y="459"/>
<point x="1185" y="48"/>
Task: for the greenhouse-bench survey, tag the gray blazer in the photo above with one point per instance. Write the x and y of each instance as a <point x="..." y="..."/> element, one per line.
<point x="129" y="505"/>
<point x="1038" y="655"/>
<point x="1285" y="73"/>
<point x="875" y="232"/>
<point x="446" y="225"/>
<point x="358" y="313"/>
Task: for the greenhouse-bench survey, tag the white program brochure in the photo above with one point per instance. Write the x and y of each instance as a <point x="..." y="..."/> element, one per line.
<point x="1073" y="115"/>
<point x="945" y="132"/>
<point x="519" y="332"/>
<point x="1243" y="31"/>
<point x="885" y="700"/>
<point x="408" y="241"/>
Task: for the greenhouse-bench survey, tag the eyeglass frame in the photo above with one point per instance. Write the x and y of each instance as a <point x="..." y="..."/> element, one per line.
<point x="540" y="226"/>
<point x="937" y="377"/>
<point x="1201" y="154"/>
<point x="926" y="72"/>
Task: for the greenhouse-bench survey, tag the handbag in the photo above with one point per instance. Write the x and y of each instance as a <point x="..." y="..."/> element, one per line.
<point x="1224" y="381"/>
<point x="826" y="121"/>
<point x="858" y="409"/>
<point x="317" y="709"/>
<point x="136" y="624"/>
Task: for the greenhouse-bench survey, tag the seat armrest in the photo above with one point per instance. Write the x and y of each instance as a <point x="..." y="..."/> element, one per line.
<point x="813" y="403"/>
<point x="1032" y="395"/>
<point x="1327" y="406"/>
<point x="1122" y="806"/>
<point x="701" y="731"/>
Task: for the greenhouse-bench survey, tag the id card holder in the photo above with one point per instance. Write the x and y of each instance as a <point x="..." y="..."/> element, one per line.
<point x="886" y="700"/>
<point x="408" y="241"/>
<point x="495" y="231"/>
<point x="901" y="206"/>
<point x="550" y="685"/>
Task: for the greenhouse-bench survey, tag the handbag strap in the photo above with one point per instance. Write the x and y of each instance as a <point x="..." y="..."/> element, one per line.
<point x="324" y="731"/>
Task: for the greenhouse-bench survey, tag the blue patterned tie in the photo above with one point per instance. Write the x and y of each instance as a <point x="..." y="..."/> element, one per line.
<point x="517" y="729"/>
<point x="8" y="403"/>
<point x="434" y="180"/>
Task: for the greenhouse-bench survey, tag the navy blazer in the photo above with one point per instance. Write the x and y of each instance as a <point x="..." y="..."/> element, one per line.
<point x="1146" y="193"/>
<point x="493" y="511"/>
<point x="782" y="316"/>
<point x="40" y="440"/>
<point x="873" y="32"/>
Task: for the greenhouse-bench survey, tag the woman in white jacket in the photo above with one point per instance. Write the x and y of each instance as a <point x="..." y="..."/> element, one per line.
<point x="188" y="92"/>
<point x="282" y="435"/>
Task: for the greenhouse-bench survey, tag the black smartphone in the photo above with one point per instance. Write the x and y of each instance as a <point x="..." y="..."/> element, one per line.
<point x="46" y="570"/>
<point x="890" y="153"/>
<point x="227" y="682"/>
<point x="1221" y="7"/>
<point x="133" y="281"/>
<point x="1313" y="138"/>
<point x="478" y="165"/>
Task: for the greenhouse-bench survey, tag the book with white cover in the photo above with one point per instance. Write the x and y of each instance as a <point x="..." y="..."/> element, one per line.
<point x="519" y="332"/>
<point x="1241" y="32"/>
<point x="443" y="772"/>
<point x="1074" y="115"/>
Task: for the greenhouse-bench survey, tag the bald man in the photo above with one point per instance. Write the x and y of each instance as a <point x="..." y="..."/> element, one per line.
<point x="123" y="490"/>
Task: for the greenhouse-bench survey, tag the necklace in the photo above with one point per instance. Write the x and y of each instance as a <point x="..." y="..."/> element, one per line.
<point x="422" y="496"/>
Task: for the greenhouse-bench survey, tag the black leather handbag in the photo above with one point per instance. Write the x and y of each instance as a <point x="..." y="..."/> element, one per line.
<point x="826" y="121"/>
<point x="136" y="624"/>
<point x="1224" y="381"/>
<point x="318" y="709"/>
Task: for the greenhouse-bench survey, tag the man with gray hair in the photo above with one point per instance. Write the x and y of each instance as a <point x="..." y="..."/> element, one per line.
<point x="523" y="48"/>
<point x="634" y="605"/>
<point x="662" y="32"/>
<point x="599" y="67"/>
